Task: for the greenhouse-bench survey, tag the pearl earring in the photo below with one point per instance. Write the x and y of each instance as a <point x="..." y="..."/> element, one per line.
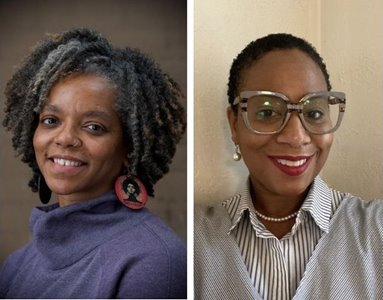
<point x="237" y="154"/>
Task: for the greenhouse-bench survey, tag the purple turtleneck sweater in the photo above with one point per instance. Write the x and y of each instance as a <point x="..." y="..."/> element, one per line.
<point x="96" y="249"/>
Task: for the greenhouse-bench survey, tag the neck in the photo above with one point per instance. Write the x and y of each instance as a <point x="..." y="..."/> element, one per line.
<point x="276" y="206"/>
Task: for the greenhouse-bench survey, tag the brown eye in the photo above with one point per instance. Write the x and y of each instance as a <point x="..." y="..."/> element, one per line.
<point x="95" y="128"/>
<point x="265" y="114"/>
<point x="49" y="121"/>
<point x="314" y="115"/>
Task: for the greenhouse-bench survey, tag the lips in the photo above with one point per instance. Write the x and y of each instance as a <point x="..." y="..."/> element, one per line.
<point x="292" y="165"/>
<point x="66" y="164"/>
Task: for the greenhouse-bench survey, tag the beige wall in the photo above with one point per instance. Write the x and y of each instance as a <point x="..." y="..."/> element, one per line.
<point x="352" y="44"/>
<point x="157" y="27"/>
<point x="348" y="34"/>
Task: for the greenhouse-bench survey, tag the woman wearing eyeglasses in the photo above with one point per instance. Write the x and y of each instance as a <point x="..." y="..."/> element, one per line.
<point x="286" y="234"/>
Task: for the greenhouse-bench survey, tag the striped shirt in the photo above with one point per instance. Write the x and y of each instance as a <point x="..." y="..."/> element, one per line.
<point x="277" y="266"/>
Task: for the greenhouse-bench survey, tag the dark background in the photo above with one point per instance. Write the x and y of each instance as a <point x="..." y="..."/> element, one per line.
<point x="157" y="27"/>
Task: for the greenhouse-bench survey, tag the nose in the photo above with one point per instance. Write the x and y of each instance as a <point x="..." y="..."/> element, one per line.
<point x="67" y="137"/>
<point x="294" y="133"/>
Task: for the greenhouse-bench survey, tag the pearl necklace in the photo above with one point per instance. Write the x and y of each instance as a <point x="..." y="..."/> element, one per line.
<point x="271" y="219"/>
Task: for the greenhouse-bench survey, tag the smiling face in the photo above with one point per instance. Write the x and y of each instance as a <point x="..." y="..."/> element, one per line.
<point x="283" y="164"/>
<point x="79" y="140"/>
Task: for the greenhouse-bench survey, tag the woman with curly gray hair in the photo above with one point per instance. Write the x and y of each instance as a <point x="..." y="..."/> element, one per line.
<point x="88" y="118"/>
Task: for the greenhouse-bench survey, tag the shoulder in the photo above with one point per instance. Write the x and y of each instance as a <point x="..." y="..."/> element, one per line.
<point x="150" y="234"/>
<point x="147" y="254"/>
<point x="215" y="209"/>
<point x="352" y="205"/>
<point x="210" y="214"/>
<point x="356" y="214"/>
<point x="18" y="255"/>
<point x="347" y="259"/>
<point x="12" y="264"/>
<point x="157" y="232"/>
<point x="207" y="210"/>
<point x="212" y="224"/>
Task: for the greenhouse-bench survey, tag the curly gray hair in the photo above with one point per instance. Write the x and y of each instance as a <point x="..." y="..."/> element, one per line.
<point x="147" y="99"/>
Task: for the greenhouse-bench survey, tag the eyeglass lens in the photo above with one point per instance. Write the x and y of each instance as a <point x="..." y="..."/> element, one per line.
<point x="268" y="113"/>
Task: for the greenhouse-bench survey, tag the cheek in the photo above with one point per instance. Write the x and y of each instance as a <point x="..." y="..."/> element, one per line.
<point x="324" y="142"/>
<point x="39" y="141"/>
<point x="107" y="152"/>
<point x="254" y="151"/>
<point x="254" y="142"/>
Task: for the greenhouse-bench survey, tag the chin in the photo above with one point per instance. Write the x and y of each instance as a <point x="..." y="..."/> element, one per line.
<point x="296" y="188"/>
<point x="64" y="190"/>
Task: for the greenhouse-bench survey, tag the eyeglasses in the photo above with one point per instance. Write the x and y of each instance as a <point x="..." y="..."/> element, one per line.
<point x="267" y="112"/>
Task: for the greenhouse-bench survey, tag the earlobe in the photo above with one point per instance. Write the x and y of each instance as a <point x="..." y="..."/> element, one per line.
<point x="233" y="122"/>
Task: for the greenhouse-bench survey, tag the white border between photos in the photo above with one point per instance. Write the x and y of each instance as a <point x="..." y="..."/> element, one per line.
<point x="190" y="147"/>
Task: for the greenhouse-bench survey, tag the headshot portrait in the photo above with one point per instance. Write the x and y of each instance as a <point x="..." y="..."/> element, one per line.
<point x="288" y="158"/>
<point x="93" y="159"/>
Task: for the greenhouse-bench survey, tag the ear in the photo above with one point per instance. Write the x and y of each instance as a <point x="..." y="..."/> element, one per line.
<point x="232" y="117"/>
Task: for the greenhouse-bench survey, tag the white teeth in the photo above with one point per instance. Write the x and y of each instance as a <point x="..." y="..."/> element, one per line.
<point x="66" y="163"/>
<point x="292" y="163"/>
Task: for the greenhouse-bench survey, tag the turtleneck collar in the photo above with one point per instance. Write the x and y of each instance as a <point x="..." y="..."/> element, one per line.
<point x="63" y="235"/>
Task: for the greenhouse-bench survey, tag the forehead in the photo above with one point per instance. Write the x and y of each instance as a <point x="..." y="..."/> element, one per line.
<point x="279" y="70"/>
<point x="83" y="92"/>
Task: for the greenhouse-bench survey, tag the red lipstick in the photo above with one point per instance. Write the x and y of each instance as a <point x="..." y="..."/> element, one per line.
<point x="292" y="165"/>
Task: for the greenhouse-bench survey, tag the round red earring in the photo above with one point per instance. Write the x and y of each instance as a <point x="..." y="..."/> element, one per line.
<point x="131" y="192"/>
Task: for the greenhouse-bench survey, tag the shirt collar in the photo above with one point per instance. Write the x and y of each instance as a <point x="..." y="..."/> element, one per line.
<point x="318" y="203"/>
<point x="237" y="205"/>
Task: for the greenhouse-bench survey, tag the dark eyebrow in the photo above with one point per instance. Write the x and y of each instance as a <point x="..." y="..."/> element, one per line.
<point x="91" y="113"/>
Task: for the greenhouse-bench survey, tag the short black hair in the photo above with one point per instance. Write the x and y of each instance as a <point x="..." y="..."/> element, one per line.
<point x="258" y="48"/>
<point x="148" y="104"/>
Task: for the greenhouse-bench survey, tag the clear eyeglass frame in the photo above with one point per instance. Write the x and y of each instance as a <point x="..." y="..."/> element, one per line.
<point x="339" y="97"/>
